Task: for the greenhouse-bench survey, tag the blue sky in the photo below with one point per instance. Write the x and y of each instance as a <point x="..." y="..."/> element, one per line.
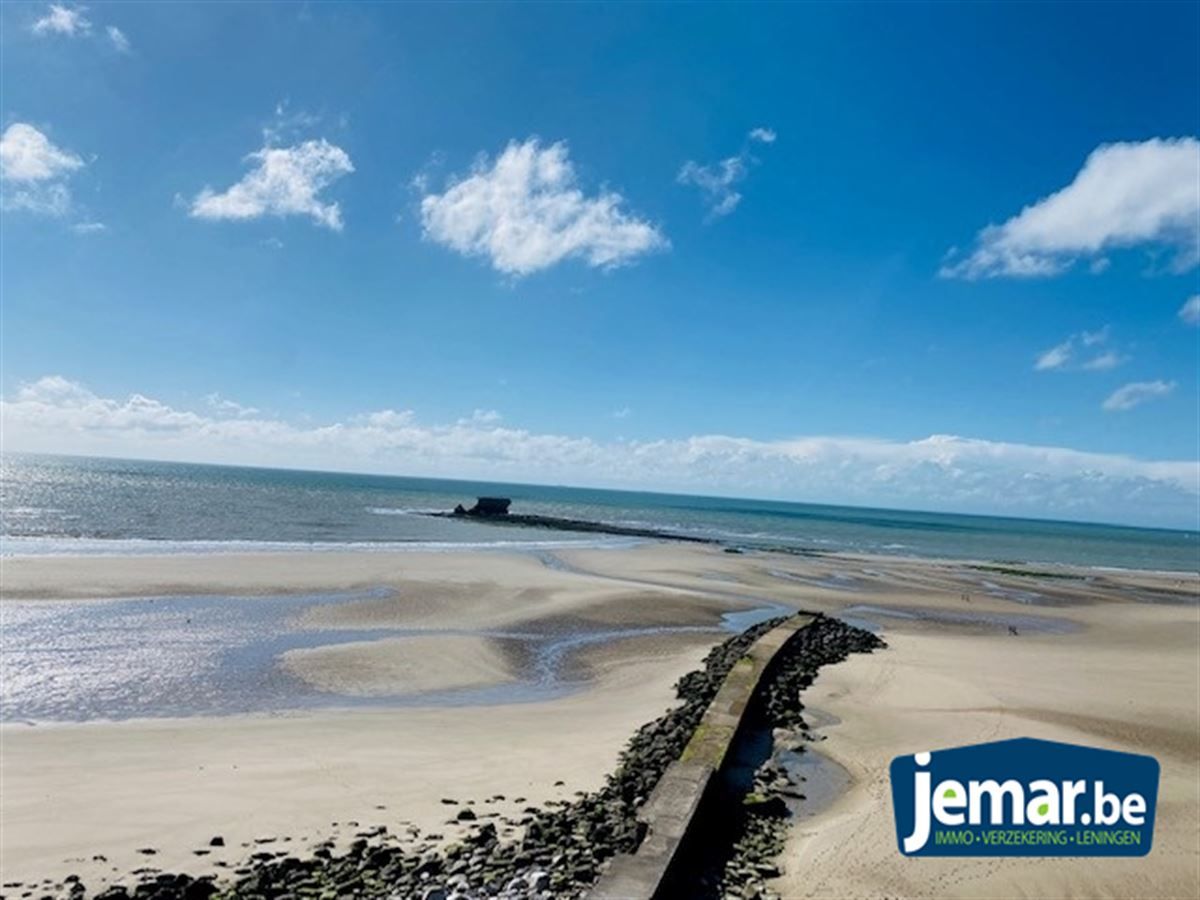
<point x="681" y="302"/>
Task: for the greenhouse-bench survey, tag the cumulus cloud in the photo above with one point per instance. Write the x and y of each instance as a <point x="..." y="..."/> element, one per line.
<point x="1126" y="195"/>
<point x="118" y="39"/>
<point x="482" y="417"/>
<point x="525" y="212"/>
<point x="34" y="172"/>
<point x="385" y="418"/>
<point x="717" y="181"/>
<point x="940" y="472"/>
<point x="1062" y="356"/>
<point x="284" y="181"/>
<point x="1190" y="311"/>
<point x="65" y="20"/>
<point x="229" y="407"/>
<point x="1136" y="393"/>
<point x="57" y="400"/>
<point x="26" y="154"/>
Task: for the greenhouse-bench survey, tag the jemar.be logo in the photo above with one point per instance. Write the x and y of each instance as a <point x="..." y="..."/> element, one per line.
<point x="1024" y="797"/>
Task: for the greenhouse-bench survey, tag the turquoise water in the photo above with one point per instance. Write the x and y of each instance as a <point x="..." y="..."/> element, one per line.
<point x="76" y="505"/>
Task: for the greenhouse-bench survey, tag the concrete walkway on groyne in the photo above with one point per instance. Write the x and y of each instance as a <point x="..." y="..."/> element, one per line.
<point x="672" y="807"/>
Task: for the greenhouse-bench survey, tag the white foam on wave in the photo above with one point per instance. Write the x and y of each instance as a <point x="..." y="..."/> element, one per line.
<point x="400" y="511"/>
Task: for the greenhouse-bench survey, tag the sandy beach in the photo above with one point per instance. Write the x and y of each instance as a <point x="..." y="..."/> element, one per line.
<point x="1108" y="659"/>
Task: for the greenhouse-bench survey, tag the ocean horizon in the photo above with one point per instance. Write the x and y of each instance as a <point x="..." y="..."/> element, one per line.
<point x="77" y="505"/>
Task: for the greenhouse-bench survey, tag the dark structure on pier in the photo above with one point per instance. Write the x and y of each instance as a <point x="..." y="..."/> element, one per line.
<point x="486" y="507"/>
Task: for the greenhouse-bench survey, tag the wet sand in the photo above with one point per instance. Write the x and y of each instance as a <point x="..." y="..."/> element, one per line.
<point x="1093" y="662"/>
<point x="73" y="792"/>
<point x="394" y="667"/>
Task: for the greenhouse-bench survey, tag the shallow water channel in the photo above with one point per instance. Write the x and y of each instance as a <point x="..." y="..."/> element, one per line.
<point x="219" y="655"/>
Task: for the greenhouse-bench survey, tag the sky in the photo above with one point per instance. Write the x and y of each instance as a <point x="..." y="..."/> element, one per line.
<point x="926" y="256"/>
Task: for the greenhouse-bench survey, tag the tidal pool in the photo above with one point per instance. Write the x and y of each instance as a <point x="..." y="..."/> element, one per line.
<point x="219" y="655"/>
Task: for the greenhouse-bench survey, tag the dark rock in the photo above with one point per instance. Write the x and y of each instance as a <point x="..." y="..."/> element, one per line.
<point x="486" y="507"/>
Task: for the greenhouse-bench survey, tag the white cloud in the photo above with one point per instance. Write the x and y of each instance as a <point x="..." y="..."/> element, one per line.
<point x="61" y="19"/>
<point x="717" y="180"/>
<point x="1126" y="194"/>
<point x="482" y="417"/>
<point x="118" y="38"/>
<point x="53" y="199"/>
<point x="1110" y="359"/>
<point x="1190" y="311"/>
<point x="939" y="472"/>
<point x="229" y="407"/>
<point x="525" y="212"/>
<point x="1056" y="357"/>
<point x="1136" y="393"/>
<point x="385" y="418"/>
<point x="1061" y="356"/>
<point x="623" y="413"/>
<point x="61" y="401"/>
<point x="34" y="172"/>
<point x="287" y="124"/>
<point x="285" y="181"/>
<point x="27" y="155"/>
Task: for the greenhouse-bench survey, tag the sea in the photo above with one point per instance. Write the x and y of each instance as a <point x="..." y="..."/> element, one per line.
<point x="58" y="505"/>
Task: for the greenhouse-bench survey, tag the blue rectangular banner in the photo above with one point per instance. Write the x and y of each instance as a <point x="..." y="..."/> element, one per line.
<point x="1024" y="797"/>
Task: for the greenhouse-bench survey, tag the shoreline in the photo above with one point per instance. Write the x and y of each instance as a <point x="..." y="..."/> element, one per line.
<point x="22" y="580"/>
<point x="293" y="774"/>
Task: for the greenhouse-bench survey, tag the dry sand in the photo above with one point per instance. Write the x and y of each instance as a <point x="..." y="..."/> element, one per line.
<point x="1127" y="682"/>
<point x="1121" y="674"/>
